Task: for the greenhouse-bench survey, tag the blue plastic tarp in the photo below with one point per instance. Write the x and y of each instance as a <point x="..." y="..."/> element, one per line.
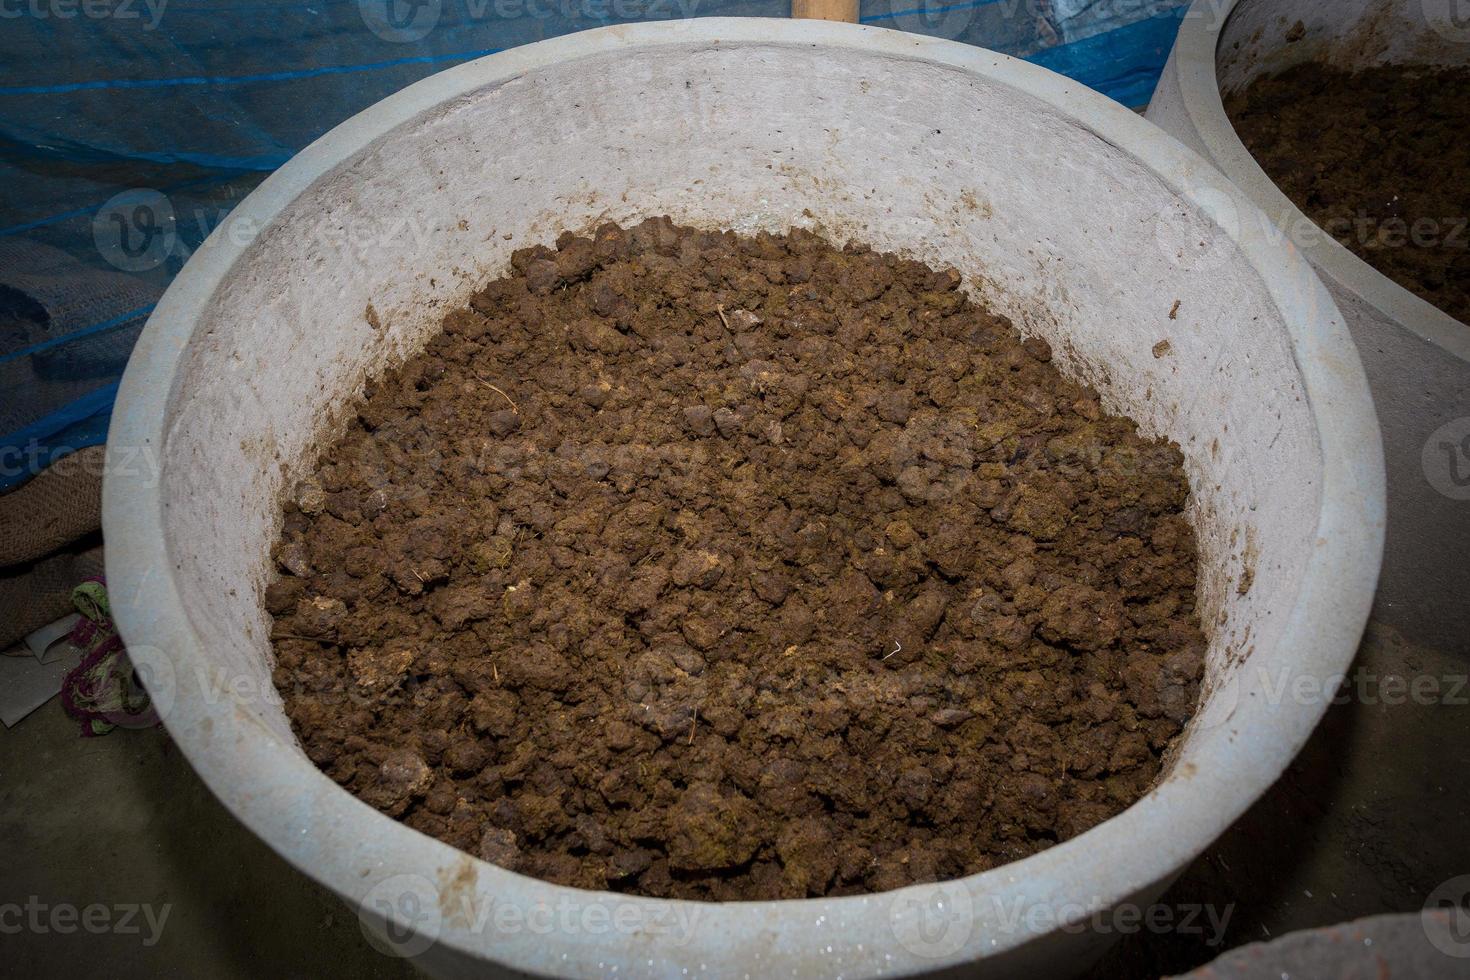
<point x="130" y="128"/>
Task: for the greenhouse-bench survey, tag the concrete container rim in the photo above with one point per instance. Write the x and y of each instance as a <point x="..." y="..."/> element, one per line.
<point x="1178" y="819"/>
<point x="1195" y="54"/>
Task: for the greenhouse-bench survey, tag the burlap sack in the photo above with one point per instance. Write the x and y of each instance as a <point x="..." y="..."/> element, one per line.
<point x="39" y="594"/>
<point x="54" y="509"/>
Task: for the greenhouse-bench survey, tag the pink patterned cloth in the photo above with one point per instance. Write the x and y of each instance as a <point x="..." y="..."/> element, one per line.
<point x="103" y="692"/>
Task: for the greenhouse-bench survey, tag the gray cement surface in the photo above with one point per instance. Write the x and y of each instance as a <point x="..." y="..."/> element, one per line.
<point x="122" y="821"/>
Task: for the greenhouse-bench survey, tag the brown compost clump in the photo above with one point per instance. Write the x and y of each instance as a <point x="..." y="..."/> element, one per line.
<point x="703" y="566"/>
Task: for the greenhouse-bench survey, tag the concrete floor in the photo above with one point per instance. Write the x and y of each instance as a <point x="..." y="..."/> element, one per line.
<point x="1369" y="819"/>
<point x="122" y="820"/>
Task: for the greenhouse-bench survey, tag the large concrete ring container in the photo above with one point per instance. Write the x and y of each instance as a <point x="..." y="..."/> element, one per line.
<point x="1079" y="219"/>
<point x="1417" y="357"/>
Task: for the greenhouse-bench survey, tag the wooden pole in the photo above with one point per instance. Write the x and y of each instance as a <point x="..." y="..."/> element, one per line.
<point x="825" y="10"/>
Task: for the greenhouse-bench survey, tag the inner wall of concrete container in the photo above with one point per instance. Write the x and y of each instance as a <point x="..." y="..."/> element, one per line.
<point x="1416" y="356"/>
<point x="1065" y="233"/>
<point x="1344" y="33"/>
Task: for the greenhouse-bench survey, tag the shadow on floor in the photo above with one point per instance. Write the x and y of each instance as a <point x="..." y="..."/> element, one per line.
<point x="1367" y="820"/>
